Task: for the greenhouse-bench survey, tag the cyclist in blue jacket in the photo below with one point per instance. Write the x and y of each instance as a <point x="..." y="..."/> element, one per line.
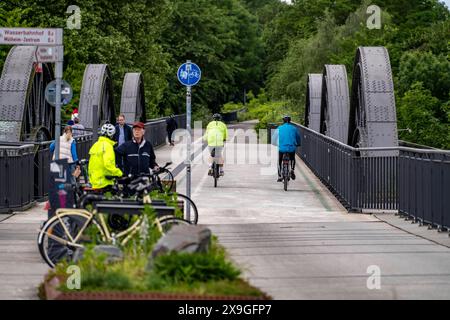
<point x="288" y="139"/>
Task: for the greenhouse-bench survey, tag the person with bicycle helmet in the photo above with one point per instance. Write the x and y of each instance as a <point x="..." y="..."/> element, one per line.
<point x="102" y="162"/>
<point x="288" y="139"/>
<point x="216" y="134"/>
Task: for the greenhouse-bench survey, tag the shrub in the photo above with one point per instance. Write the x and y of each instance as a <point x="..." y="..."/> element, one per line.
<point x="193" y="267"/>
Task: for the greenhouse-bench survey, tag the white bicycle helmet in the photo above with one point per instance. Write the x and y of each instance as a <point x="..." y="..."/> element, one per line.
<point x="108" y="130"/>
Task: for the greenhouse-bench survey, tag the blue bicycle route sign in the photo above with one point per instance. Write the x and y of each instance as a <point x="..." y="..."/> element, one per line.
<point x="189" y="74"/>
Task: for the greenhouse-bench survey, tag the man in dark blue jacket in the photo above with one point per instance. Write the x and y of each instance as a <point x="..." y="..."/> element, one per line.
<point x="123" y="131"/>
<point x="137" y="154"/>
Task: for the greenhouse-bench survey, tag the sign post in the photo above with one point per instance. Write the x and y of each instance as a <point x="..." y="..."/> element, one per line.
<point x="189" y="74"/>
<point x="50" y="48"/>
<point x="58" y="76"/>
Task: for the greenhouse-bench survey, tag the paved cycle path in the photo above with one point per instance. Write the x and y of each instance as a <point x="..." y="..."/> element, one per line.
<point x="299" y="244"/>
<point x="302" y="244"/>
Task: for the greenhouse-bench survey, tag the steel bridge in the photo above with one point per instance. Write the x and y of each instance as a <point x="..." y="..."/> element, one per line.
<point x="352" y="162"/>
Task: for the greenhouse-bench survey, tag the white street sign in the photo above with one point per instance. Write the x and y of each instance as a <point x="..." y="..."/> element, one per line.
<point x="31" y="36"/>
<point x="49" y="54"/>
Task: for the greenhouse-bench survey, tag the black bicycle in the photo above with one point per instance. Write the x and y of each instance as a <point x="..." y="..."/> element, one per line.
<point x="215" y="168"/>
<point x="165" y="177"/>
<point x="185" y="203"/>
<point x="285" y="172"/>
<point x="120" y="191"/>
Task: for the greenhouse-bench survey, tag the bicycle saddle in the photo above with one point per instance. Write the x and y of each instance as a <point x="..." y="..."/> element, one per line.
<point x="139" y="184"/>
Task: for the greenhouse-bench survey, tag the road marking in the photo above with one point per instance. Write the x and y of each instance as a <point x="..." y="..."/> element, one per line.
<point x="202" y="181"/>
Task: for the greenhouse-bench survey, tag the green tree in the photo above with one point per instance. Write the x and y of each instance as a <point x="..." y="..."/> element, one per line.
<point x="433" y="71"/>
<point x="123" y="35"/>
<point x="223" y="39"/>
<point x="416" y="112"/>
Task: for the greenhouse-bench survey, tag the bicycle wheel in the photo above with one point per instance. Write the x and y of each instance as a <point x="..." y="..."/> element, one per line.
<point x="62" y="235"/>
<point x="215" y="173"/>
<point x="285" y="176"/>
<point x="168" y="177"/>
<point x="188" y="203"/>
<point x="166" y="223"/>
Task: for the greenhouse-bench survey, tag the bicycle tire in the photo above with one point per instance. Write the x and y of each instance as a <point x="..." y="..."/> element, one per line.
<point x="215" y="173"/>
<point x="168" y="222"/>
<point x="167" y="176"/>
<point x="285" y="176"/>
<point x="59" y="250"/>
<point x="193" y="212"/>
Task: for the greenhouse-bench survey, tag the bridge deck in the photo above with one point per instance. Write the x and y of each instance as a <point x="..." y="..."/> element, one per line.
<point x="302" y="244"/>
<point x="299" y="244"/>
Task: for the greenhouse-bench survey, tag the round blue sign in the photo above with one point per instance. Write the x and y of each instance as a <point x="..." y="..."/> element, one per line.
<point x="189" y="74"/>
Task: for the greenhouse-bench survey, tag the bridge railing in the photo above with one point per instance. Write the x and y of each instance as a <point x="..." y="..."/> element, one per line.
<point x="25" y="168"/>
<point x="413" y="181"/>
<point x="362" y="179"/>
<point x="155" y="130"/>
<point x="424" y="186"/>
<point x="228" y="117"/>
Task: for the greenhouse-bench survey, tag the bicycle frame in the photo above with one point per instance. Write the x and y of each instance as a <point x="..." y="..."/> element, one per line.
<point x="102" y="226"/>
<point x="70" y="227"/>
<point x="286" y="162"/>
<point x="74" y="212"/>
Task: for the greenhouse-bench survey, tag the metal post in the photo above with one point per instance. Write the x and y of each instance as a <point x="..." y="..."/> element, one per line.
<point x="188" y="163"/>
<point x="58" y="75"/>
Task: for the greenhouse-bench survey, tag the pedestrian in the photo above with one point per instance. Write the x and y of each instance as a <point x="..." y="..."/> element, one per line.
<point x="58" y="194"/>
<point x="77" y="128"/>
<point x="137" y="154"/>
<point x="171" y="126"/>
<point x="67" y="150"/>
<point x="123" y="131"/>
<point x="67" y="146"/>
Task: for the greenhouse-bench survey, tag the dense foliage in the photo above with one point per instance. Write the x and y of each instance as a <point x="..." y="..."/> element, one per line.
<point x="416" y="33"/>
<point x="250" y="45"/>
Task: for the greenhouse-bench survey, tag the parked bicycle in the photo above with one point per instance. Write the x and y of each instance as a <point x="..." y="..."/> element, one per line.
<point x="62" y="234"/>
<point x="86" y="196"/>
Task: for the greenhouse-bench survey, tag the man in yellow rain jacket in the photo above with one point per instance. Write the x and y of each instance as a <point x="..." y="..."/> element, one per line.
<point x="216" y="134"/>
<point x="102" y="162"/>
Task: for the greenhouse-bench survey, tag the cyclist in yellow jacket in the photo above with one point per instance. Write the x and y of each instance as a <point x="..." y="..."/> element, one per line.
<point x="216" y="134"/>
<point x="102" y="162"/>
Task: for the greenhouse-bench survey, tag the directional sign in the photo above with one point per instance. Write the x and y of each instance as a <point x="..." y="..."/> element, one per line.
<point x="49" y="54"/>
<point x="31" y="36"/>
<point x="66" y="93"/>
<point x="189" y="74"/>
